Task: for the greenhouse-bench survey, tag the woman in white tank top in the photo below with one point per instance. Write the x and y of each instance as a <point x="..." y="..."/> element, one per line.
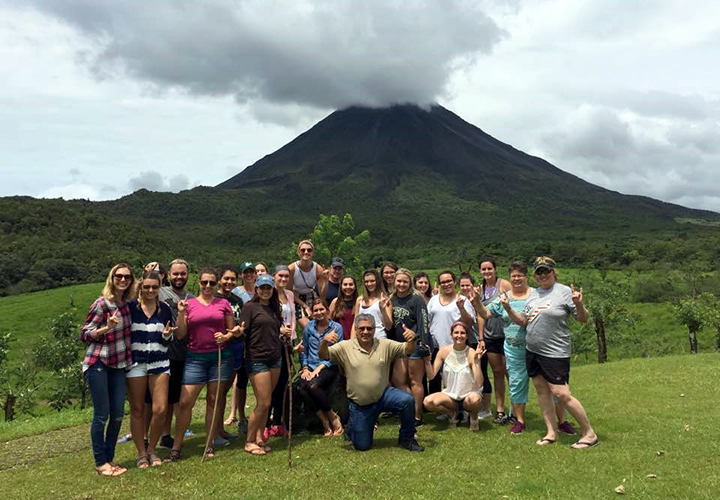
<point x="461" y="375"/>
<point x="305" y="276"/>
<point x="374" y="302"/>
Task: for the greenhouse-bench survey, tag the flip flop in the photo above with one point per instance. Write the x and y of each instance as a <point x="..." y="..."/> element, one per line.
<point x="545" y="441"/>
<point x="154" y="459"/>
<point x="584" y="444"/>
<point x="256" y="450"/>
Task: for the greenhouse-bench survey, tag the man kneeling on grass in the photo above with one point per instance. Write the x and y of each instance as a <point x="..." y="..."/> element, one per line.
<point x="367" y="362"/>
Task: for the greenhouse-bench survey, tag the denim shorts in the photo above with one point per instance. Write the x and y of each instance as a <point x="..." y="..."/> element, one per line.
<point x="255" y="367"/>
<point x="201" y="368"/>
<point x="420" y="352"/>
<point x="141" y="370"/>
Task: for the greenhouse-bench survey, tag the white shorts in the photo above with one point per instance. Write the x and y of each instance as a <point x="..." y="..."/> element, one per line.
<point x="141" y="370"/>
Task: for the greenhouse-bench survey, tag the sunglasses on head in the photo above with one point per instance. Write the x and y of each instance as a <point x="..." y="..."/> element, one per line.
<point x="208" y="282"/>
<point x="122" y="277"/>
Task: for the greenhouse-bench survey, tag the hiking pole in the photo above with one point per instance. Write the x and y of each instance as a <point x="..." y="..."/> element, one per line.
<point x="217" y="398"/>
<point x="289" y="400"/>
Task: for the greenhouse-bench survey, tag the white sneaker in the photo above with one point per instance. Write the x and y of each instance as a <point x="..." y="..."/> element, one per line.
<point x="482" y="415"/>
<point x="441" y="417"/>
<point x="464" y="417"/>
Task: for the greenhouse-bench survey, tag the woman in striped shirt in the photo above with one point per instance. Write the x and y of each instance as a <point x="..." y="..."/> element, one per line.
<point x="107" y="334"/>
<point x="151" y="335"/>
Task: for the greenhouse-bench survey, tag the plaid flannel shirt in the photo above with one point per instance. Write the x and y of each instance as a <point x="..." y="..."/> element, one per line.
<point x="113" y="348"/>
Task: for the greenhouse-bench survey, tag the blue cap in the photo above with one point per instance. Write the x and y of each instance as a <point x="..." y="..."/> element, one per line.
<point x="265" y="279"/>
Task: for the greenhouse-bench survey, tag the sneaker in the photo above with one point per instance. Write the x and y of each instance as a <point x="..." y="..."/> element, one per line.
<point x="517" y="428"/>
<point x="464" y="417"/>
<point x="279" y="430"/>
<point x="125" y="438"/>
<point x="229" y="436"/>
<point x="500" y="418"/>
<point x="482" y="415"/>
<point x="220" y="442"/>
<point x="410" y="445"/>
<point x="418" y="422"/>
<point x="442" y="416"/>
<point x="567" y="428"/>
<point x="242" y="426"/>
<point x="167" y="441"/>
<point x="188" y="434"/>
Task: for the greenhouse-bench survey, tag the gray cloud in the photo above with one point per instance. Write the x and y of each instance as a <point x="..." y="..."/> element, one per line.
<point x="154" y="181"/>
<point x="327" y="54"/>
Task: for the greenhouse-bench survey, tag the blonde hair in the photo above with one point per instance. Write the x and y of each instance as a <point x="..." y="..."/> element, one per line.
<point x="109" y="289"/>
<point x="307" y="242"/>
<point x="179" y="261"/>
<point x="409" y="275"/>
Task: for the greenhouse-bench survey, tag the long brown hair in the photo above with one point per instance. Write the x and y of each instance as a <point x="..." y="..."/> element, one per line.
<point x="340" y="305"/>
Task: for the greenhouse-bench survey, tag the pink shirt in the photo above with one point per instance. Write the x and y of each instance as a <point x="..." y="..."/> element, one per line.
<point x="203" y="321"/>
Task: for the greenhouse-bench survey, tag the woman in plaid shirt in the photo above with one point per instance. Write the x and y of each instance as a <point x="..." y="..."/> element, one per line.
<point x="107" y="334"/>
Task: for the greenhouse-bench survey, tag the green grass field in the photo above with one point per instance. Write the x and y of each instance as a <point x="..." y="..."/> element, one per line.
<point x="653" y="416"/>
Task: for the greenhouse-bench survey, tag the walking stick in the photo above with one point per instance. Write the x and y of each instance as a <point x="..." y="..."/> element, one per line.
<point x="289" y="401"/>
<point x="217" y="398"/>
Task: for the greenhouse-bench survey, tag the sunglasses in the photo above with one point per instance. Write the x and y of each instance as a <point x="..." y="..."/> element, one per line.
<point x="208" y="282"/>
<point x="122" y="277"/>
<point x="150" y="287"/>
<point x="365" y="329"/>
<point x="543" y="271"/>
<point x="306" y="250"/>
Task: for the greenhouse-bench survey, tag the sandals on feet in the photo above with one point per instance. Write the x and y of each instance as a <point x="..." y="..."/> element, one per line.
<point x="545" y="441"/>
<point x="582" y="445"/>
<point x="173" y="456"/>
<point x="142" y="462"/>
<point x="209" y="452"/>
<point x="154" y="459"/>
<point x="109" y="472"/>
<point x="254" y="449"/>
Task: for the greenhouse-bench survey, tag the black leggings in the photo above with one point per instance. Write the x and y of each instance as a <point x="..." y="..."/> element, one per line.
<point x="277" y="410"/>
<point x="316" y="392"/>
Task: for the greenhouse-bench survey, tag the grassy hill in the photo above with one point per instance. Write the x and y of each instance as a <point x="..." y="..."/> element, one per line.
<point x="654" y="417"/>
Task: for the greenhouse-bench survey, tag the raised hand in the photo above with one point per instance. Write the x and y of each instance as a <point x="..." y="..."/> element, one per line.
<point x="478" y="291"/>
<point x="384" y="301"/>
<point x="408" y="334"/>
<point x="331" y="338"/>
<point x="169" y="330"/>
<point x="182" y="306"/>
<point x="299" y="348"/>
<point x="577" y="295"/>
<point x="460" y="302"/>
<point x="113" y="320"/>
<point x="505" y="300"/>
<point x="435" y="290"/>
<point x="326" y="273"/>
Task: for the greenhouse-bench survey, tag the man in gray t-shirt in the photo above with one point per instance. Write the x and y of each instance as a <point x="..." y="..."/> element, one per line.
<point x="547" y="311"/>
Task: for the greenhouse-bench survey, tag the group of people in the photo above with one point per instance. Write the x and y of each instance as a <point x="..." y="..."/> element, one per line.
<point x="398" y="346"/>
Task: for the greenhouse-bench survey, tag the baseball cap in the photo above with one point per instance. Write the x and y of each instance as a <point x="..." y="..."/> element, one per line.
<point x="247" y="265"/>
<point x="264" y="280"/>
<point x="337" y="262"/>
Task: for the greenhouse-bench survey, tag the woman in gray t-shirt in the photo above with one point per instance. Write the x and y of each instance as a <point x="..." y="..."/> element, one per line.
<point x="548" y="347"/>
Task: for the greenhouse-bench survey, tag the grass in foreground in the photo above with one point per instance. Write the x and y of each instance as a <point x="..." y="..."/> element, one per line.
<point x="654" y="416"/>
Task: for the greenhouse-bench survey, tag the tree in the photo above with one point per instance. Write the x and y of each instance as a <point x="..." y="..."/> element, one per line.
<point x="17" y="384"/>
<point x="692" y="312"/>
<point x="606" y="302"/>
<point x="334" y="237"/>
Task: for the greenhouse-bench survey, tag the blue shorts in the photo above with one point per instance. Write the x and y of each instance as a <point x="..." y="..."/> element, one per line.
<point x="203" y="368"/>
<point x="238" y="352"/>
<point x="255" y="367"/>
<point x="420" y="352"/>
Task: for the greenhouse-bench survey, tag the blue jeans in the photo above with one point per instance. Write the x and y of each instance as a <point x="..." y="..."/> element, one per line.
<point x="107" y="389"/>
<point x="363" y="418"/>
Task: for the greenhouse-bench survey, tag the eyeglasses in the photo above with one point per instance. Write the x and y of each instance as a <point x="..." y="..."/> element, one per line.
<point x="150" y="287"/>
<point x="208" y="282"/>
<point x="542" y="271"/>
<point x="365" y="328"/>
<point x="122" y="277"/>
<point x="446" y="282"/>
<point x="306" y="250"/>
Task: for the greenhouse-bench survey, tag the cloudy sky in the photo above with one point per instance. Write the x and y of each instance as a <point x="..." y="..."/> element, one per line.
<point x="99" y="98"/>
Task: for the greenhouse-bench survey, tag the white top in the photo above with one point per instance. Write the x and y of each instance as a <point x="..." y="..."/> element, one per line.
<point x="456" y="375"/>
<point x="441" y="317"/>
<point x="374" y="311"/>
<point x="304" y="282"/>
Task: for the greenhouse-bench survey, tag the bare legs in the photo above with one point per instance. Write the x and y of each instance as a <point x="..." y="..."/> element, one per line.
<point x="440" y="402"/>
<point x="545" y="392"/>
<point x="416" y="369"/>
<point x="263" y="384"/>
<point x="497" y="363"/>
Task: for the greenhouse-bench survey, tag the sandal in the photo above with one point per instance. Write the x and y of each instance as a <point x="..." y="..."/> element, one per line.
<point x="173" y="456"/>
<point x="142" y="462"/>
<point x="209" y="452"/>
<point x="118" y="468"/>
<point x="545" y="441"/>
<point x="154" y="459"/>
<point x="328" y="433"/>
<point x="254" y="449"/>
<point x="108" y="472"/>
<point x="264" y="446"/>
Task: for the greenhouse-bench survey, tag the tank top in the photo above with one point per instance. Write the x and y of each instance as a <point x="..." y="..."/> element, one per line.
<point x="494" y="326"/>
<point x="456" y="376"/>
<point x="304" y="282"/>
<point x="347" y="320"/>
<point x="374" y="311"/>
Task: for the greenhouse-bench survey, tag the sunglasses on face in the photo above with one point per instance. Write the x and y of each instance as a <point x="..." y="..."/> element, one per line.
<point x="306" y="250"/>
<point x="542" y="271"/>
<point x="365" y="329"/>
<point x="122" y="277"/>
<point x="208" y="282"/>
<point x="150" y="287"/>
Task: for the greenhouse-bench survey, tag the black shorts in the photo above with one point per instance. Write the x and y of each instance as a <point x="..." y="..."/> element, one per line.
<point x="496" y="346"/>
<point x="242" y="377"/>
<point x="177" y="368"/>
<point x="555" y="370"/>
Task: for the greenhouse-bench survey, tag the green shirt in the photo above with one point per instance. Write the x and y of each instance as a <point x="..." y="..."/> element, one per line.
<point x="367" y="373"/>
